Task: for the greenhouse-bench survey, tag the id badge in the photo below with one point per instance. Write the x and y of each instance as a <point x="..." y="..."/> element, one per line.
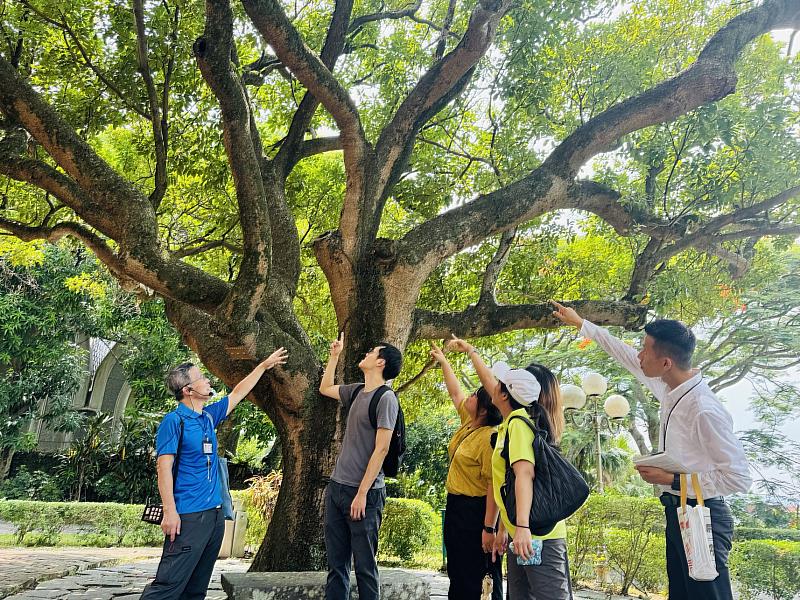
<point x="207" y="448"/>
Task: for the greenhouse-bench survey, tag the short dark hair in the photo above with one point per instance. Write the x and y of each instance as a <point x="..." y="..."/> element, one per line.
<point x="672" y="339"/>
<point x="393" y="360"/>
<point x="493" y="416"/>
<point x="178" y="378"/>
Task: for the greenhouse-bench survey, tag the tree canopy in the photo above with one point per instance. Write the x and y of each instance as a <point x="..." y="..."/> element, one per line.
<point x="280" y="171"/>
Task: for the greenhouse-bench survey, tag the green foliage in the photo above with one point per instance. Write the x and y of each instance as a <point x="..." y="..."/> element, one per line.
<point x="259" y="501"/>
<point x="425" y="462"/>
<point x="763" y="533"/>
<point x="40" y="365"/>
<point x="407" y="526"/>
<point x="130" y="472"/>
<point x="36" y="485"/>
<point x="41" y="523"/>
<point x="625" y="531"/>
<point x="768" y="568"/>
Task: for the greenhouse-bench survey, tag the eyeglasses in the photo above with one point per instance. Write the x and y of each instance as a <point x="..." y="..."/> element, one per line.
<point x="202" y="377"/>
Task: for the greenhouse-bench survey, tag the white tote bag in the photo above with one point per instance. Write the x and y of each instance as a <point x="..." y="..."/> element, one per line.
<point x="698" y="542"/>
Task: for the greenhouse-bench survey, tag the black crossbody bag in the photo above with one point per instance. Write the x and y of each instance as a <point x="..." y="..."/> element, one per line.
<point x="154" y="513"/>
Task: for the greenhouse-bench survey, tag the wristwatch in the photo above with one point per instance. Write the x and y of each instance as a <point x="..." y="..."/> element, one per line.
<point x="676" y="482"/>
<point x="488" y="529"/>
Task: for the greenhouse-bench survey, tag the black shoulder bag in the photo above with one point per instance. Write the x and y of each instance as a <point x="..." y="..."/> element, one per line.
<point x="558" y="488"/>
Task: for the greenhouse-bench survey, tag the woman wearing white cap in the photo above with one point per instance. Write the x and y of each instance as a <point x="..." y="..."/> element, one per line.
<point x="532" y="392"/>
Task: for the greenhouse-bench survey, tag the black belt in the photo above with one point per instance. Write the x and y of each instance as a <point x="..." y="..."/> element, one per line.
<point x="673" y="500"/>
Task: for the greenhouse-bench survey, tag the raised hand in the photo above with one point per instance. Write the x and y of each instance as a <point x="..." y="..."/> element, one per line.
<point x="567" y="315"/>
<point x="458" y="345"/>
<point x="337" y="345"/>
<point x="437" y="354"/>
<point x="276" y="358"/>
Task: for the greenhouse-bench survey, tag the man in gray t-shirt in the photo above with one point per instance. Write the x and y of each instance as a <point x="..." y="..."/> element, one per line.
<point x="359" y="436"/>
<point x="355" y="496"/>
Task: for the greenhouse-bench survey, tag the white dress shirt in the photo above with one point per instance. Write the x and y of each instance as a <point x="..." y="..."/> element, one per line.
<point x="700" y="431"/>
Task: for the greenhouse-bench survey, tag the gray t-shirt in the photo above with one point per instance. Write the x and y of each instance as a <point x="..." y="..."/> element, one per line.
<point x="359" y="437"/>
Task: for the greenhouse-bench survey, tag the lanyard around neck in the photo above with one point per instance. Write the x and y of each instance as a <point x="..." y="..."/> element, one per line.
<point x="674" y="406"/>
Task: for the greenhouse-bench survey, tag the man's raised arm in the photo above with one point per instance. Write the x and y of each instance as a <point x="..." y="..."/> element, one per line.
<point x="624" y="354"/>
<point x="326" y="386"/>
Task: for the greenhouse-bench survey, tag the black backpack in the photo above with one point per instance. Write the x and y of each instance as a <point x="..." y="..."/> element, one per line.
<point x="397" y="445"/>
<point x="558" y="488"/>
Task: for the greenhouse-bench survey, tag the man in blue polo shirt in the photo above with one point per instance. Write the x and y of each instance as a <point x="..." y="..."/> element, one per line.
<point x="188" y="480"/>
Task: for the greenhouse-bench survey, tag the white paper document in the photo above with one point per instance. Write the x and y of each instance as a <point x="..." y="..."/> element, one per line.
<point x="661" y="460"/>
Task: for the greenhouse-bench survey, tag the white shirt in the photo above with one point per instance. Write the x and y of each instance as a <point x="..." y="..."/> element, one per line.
<point x="700" y="430"/>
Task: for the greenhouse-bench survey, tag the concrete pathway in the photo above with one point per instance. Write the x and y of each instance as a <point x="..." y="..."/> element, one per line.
<point x="122" y="573"/>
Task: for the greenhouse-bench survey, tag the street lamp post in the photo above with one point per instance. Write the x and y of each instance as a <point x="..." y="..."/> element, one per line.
<point x="615" y="409"/>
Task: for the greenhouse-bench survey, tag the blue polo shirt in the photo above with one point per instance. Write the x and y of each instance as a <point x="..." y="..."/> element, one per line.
<point x="196" y="486"/>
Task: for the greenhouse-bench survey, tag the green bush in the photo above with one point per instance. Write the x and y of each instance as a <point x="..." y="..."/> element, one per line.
<point x="407" y="527"/>
<point x="36" y="485"/>
<point x="625" y="532"/>
<point x="764" y="567"/>
<point x="763" y="533"/>
<point x="108" y="524"/>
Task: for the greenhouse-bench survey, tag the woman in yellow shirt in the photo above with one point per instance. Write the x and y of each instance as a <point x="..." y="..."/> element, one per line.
<point x="471" y="513"/>
<point x="532" y="392"/>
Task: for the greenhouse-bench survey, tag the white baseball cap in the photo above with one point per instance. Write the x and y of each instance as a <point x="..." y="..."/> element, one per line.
<point x="521" y="384"/>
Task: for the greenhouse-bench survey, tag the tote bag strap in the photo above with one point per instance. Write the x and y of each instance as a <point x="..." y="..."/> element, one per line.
<point x="697" y="489"/>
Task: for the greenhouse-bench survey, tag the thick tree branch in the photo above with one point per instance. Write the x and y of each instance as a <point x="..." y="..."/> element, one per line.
<point x="104" y="188"/>
<point x="276" y="29"/>
<point x="53" y="234"/>
<point x="292" y="148"/>
<point x="445" y="80"/>
<point x="320" y="145"/>
<point x="550" y="187"/>
<point x="489" y="319"/>
<point x="710" y="78"/>
<point x="157" y="119"/>
<point x="102" y="198"/>
<point x="214" y="51"/>
<point x="707" y="238"/>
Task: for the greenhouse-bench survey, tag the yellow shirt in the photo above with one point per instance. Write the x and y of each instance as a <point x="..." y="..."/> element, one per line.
<point x="520" y="447"/>
<point x="470" y="452"/>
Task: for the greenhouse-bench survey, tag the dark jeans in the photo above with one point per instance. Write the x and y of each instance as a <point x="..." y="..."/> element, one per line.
<point x="681" y="586"/>
<point x="345" y="538"/>
<point x="466" y="561"/>
<point x="186" y="564"/>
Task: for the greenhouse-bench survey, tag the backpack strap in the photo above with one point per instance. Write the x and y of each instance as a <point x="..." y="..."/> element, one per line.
<point x="528" y="422"/>
<point x="358" y="387"/>
<point x="177" y="452"/>
<point x="373" y="404"/>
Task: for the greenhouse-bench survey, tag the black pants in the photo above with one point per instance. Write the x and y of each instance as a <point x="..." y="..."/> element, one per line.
<point x="345" y="538"/>
<point x="681" y="586"/>
<point x="186" y="564"/>
<point x="466" y="561"/>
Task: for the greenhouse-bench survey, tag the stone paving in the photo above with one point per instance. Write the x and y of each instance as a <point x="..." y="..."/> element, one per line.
<point x="122" y="573"/>
<point x="23" y="568"/>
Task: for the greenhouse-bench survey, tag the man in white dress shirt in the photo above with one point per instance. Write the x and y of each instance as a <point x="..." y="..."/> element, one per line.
<point x="696" y="431"/>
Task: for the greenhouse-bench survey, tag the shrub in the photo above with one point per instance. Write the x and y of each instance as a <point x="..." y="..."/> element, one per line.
<point x="41" y="523"/>
<point x="36" y="485"/>
<point x="764" y="567"/>
<point x="763" y="533"/>
<point x="407" y="527"/>
<point x="621" y="530"/>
